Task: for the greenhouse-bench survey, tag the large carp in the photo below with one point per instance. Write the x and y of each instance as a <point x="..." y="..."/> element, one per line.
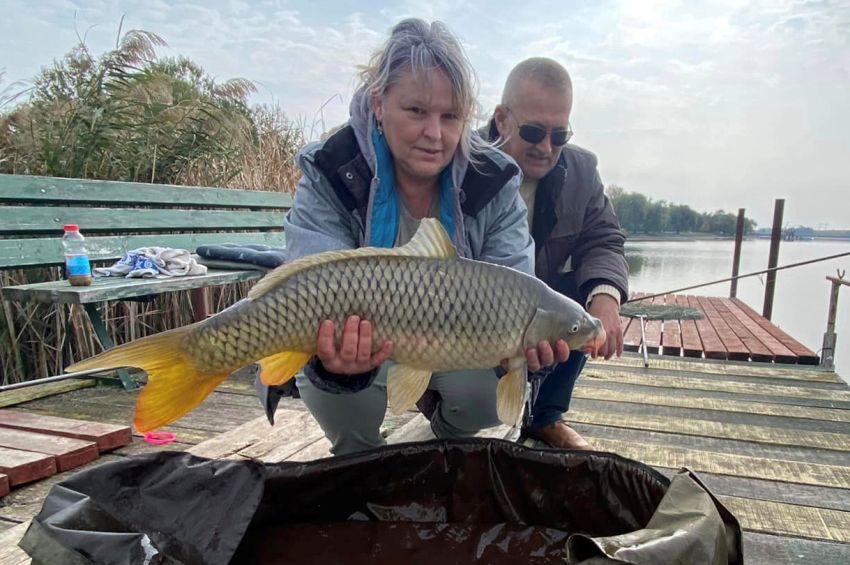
<point x="442" y="313"/>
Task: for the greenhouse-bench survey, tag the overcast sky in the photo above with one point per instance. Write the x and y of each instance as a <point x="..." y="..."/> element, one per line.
<point x="716" y="104"/>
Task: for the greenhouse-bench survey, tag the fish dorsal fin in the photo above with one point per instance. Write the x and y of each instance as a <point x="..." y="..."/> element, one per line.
<point x="430" y="240"/>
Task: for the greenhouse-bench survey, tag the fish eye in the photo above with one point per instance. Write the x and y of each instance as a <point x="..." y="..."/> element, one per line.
<point x="574" y="329"/>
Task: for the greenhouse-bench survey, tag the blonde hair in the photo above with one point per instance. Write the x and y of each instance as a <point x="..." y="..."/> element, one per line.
<point x="418" y="47"/>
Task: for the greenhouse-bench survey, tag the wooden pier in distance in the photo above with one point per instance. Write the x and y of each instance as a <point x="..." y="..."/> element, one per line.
<point x="729" y="329"/>
<point x="770" y="439"/>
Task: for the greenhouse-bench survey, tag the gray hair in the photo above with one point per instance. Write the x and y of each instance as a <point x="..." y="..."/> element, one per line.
<point x="418" y="47"/>
<point x="546" y="72"/>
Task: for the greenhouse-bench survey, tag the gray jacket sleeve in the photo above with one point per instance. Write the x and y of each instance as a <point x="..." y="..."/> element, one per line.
<point x="601" y="245"/>
<point x="319" y="222"/>
<point x="507" y="240"/>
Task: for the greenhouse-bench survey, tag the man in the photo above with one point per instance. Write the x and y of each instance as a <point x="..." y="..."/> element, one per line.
<point x="578" y="241"/>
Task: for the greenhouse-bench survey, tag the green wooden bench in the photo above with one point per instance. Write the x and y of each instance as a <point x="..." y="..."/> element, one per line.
<point x="116" y="217"/>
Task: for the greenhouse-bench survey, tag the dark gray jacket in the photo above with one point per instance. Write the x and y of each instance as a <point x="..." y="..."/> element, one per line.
<point x="575" y="226"/>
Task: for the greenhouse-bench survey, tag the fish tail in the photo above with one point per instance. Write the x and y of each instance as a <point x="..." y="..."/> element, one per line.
<point x="175" y="384"/>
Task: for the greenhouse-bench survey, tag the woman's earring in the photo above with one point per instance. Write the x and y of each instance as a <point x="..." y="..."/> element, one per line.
<point x="380" y="129"/>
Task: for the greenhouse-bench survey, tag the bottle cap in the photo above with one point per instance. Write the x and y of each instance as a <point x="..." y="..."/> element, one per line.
<point x="71" y="227"/>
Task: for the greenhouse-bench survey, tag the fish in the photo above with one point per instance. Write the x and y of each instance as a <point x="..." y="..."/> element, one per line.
<point x="441" y="312"/>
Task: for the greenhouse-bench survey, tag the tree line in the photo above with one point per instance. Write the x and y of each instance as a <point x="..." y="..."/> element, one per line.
<point x="640" y="214"/>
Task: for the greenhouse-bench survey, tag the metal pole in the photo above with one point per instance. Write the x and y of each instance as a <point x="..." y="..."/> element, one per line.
<point x="90" y="374"/>
<point x="827" y="359"/>
<point x="643" y="342"/>
<point x="736" y="257"/>
<point x="773" y="258"/>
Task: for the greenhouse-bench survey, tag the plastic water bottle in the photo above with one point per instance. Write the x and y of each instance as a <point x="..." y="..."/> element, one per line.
<point x="77" y="264"/>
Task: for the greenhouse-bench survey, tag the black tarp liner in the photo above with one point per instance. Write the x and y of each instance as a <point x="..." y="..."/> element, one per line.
<point x="440" y="502"/>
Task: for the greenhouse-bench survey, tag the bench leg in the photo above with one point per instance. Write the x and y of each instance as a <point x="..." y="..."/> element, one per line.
<point x="198" y="297"/>
<point x="103" y="335"/>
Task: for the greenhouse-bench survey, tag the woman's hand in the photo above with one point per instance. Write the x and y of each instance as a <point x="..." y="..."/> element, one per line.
<point x="355" y="353"/>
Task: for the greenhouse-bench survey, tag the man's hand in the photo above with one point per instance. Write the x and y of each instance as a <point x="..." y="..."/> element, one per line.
<point x="355" y="353"/>
<point x="606" y="309"/>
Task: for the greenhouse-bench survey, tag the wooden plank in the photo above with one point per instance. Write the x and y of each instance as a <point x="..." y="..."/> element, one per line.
<point x="293" y="432"/>
<point x="69" y="453"/>
<point x="790" y="519"/>
<point x="18" y="253"/>
<point x="713" y="347"/>
<point x="417" y="429"/>
<point x="25" y="466"/>
<point x="631" y="338"/>
<point x="652" y="330"/>
<point x="37" y="219"/>
<point x="803" y="353"/>
<point x="708" y="428"/>
<point x="36" y="189"/>
<point x="728" y="368"/>
<point x="766" y="549"/>
<point x="232" y="441"/>
<point x="112" y="288"/>
<point x="722" y="463"/>
<point x="13" y="397"/>
<point x="691" y="343"/>
<point x="10" y="552"/>
<point x="106" y="436"/>
<point x="671" y="338"/>
<point x="673" y="381"/>
<point x="4" y="484"/>
<point x="735" y="348"/>
<point x="707" y="403"/>
<point x="758" y="351"/>
<point x="781" y="353"/>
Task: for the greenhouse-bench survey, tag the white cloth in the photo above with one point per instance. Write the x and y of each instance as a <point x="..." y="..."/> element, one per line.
<point x="154" y="262"/>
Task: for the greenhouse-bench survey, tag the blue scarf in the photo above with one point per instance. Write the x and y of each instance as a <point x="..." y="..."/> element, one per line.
<point x="385" y="204"/>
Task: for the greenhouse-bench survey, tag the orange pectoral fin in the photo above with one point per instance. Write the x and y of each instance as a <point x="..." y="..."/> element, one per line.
<point x="278" y="368"/>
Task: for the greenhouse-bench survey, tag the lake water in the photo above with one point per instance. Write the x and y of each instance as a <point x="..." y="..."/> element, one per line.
<point x="801" y="299"/>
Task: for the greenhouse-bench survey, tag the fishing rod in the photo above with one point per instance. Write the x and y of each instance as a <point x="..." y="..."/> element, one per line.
<point x="727" y="279"/>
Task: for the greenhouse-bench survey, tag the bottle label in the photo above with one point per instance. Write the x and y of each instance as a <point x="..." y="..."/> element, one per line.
<point x="77" y="265"/>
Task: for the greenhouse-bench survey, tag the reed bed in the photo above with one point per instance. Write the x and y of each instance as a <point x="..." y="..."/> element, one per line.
<point x="126" y="115"/>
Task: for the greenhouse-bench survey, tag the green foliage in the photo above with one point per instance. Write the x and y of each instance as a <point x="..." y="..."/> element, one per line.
<point x="127" y="116"/>
<point x="639" y="214"/>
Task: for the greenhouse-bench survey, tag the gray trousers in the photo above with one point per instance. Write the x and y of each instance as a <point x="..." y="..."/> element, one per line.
<point x="352" y="422"/>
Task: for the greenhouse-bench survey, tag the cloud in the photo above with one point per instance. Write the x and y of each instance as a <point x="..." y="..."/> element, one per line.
<point x="711" y="103"/>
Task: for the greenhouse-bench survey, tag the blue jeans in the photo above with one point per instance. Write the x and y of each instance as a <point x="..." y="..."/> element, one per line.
<point x="552" y="393"/>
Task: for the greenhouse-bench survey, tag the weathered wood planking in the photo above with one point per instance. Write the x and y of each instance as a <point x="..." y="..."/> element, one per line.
<point x="735" y="348"/>
<point x="25" y="466"/>
<point x="804" y="354"/>
<point x="779" y="351"/>
<point x="119" y="288"/>
<point x="702" y="427"/>
<point x="667" y="398"/>
<point x="69" y="453"/>
<point x="652" y="329"/>
<point x="717" y="385"/>
<point x="728" y="464"/>
<point x="713" y="347"/>
<point x="691" y="342"/>
<point x="10" y="553"/>
<point x="106" y="436"/>
<point x="758" y="350"/>
<point x="790" y="519"/>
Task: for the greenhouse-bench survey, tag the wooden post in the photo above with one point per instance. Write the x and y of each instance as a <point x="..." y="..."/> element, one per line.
<point x="773" y="258"/>
<point x="198" y="298"/>
<point x="736" y="257"/>
<point x="827" y="358"/>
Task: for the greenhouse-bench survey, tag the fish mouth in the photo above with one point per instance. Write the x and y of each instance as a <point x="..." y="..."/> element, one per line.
<point x="596" y="341"/>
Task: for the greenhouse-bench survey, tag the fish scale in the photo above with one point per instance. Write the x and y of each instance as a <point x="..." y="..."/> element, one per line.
<point x="441" y="312"/>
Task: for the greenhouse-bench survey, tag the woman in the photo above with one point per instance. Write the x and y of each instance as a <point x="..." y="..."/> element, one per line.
<point x="407" y="152"/>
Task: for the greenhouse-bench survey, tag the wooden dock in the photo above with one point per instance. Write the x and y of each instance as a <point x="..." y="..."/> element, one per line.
<point x="729" y="329"/>
<point x="772" y="441"/>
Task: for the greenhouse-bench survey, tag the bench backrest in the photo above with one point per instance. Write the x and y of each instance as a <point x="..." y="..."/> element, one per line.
<point x="34" y="209"/>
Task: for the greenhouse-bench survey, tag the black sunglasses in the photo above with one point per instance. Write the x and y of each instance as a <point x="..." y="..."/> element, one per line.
<point x="533" y="133"/>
